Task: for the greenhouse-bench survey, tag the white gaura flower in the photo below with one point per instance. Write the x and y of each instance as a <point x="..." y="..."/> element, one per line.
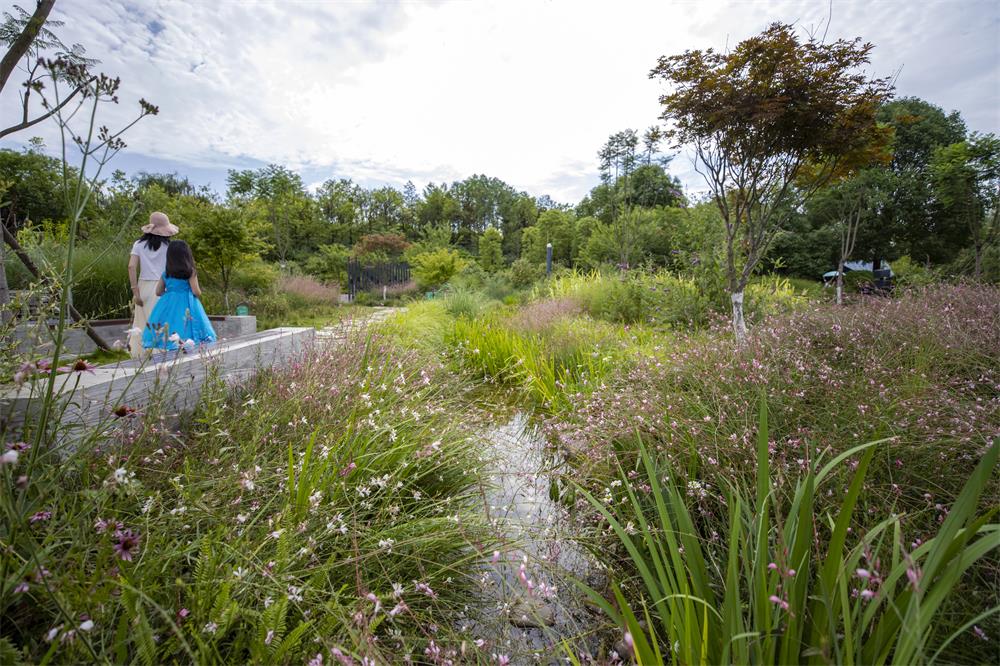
<point x="174" y="338"/>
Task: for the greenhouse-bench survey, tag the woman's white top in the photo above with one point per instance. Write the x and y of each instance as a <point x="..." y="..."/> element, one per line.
<point x="151" y="264"/>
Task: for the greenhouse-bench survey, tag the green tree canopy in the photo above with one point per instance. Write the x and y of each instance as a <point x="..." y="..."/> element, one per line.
<point x="491" y="250"/>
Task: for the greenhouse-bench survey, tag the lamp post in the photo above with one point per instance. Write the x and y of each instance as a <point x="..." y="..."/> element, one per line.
<point x="548" y="259"/>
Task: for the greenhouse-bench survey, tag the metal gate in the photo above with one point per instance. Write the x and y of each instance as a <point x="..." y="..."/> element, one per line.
<point x="363" y="278"/>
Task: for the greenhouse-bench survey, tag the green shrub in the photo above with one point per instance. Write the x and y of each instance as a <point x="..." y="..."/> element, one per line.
<point x="769" y="295"/>
<point x="624" y="300"/>
<point x="497" y="287"/>
<point x="271" y="309"/>
<point x="255" y="277"/>
<point x="435" y="268"/>
<point x="524" y="273"/>
<point x="329" y="263"/>
<point x="908" y="273"/>
<point x="855" y="281"/>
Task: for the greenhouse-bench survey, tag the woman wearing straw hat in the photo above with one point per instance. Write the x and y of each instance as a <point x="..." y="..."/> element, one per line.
<point x="145" y="266"/>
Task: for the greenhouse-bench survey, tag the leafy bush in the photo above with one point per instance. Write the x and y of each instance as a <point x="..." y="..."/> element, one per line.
<point x="856" y="281"/>
<point x="908" y="273"/>
<point x="433" y="269"/>
<point x="329" y="263"/>
<point x="524" y="273"/>
<point x="375" y="248"/>
<point x="255" y="277"/>
<point x="491" y="250"/>
<point x="624" y="300"/>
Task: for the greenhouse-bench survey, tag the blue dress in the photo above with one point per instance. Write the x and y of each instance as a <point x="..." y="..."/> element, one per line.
<point x="178" y="311"/>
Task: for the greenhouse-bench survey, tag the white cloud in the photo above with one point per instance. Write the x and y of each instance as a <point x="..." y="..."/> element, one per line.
<point x="524" y="91"/>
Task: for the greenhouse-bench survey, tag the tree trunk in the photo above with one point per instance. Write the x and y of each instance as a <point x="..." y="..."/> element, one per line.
<point x="979" y="261"/>
<point x="739" y="323"/>
<point x="840" y="282"/>
<point x="5" y="314"/>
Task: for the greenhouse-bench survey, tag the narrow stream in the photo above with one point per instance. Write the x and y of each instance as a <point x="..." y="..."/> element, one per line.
<point x="529" y="604"/>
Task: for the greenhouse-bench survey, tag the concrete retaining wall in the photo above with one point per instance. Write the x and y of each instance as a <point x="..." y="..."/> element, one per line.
<point x="40" y="337"/>
<point x="174" y="378"/>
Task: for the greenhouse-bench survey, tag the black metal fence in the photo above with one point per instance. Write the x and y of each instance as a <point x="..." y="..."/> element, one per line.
<point x="363" y="278"/>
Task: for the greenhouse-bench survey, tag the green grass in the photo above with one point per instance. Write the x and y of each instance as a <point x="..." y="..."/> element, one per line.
<point x="788" y="584"/>
<point x="269" y="524"/>
<point x="102" y="357"/>
<point x="316" y="316"/>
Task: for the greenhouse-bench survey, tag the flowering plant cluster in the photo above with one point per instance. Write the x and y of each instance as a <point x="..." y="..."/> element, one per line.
<point x="320" y="512"/>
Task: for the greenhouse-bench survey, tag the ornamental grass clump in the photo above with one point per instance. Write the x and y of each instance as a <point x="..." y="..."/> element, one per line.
<point x="771" y="582"/>
<point x="322" y="509"/>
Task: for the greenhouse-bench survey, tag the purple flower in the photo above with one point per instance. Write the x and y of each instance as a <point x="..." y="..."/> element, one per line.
<point x="101" y="526"/>
<point x="80" y="365"/>
<point x="128" y="544"/>
<point x="40" y="516"/>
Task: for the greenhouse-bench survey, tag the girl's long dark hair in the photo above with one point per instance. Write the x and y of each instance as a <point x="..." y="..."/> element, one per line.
<point x="180" y="261"/>
<point x="153" y="241"/>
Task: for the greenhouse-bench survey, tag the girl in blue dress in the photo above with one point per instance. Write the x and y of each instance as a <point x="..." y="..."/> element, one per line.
<point x="179" y="319"/>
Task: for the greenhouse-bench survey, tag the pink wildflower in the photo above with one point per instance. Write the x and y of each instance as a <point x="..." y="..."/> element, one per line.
<point x="778" y="601"/>
<point x="426" y="589"/>
<point x="128" y="544"/>
<point x="80" y="365"/>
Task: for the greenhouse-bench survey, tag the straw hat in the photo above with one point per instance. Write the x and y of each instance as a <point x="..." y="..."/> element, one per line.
<point x="159" y="224"/>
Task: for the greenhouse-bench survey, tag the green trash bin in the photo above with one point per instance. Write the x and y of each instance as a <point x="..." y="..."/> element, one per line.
<point x="242" y="310"/>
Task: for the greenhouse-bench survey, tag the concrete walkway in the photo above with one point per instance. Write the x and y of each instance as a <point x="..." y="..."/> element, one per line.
<point x="339" y="331"/>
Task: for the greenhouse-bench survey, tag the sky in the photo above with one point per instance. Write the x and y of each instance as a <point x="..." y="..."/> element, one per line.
<point x="527" y="92"/>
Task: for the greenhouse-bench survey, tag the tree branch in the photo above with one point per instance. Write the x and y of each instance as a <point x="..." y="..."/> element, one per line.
<point x="24" y="40"/>
<point x="28" y="123"/>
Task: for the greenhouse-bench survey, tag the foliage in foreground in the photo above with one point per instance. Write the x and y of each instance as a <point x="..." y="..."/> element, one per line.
<point x="789" y="584"/>
<point x="322" y="509"/>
